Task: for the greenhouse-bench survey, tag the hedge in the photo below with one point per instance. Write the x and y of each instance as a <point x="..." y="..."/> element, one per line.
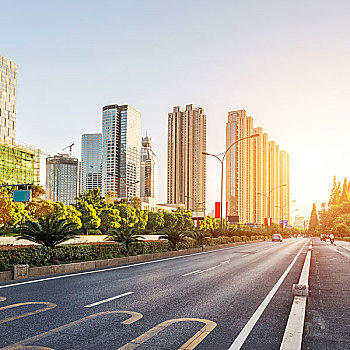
<point x="39" y="256"/>
<point x="70" y="253"/>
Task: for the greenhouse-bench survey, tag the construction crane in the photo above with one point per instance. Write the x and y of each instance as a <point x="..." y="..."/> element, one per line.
<point x="70" y="149"/>
<point x="44" y="152"/>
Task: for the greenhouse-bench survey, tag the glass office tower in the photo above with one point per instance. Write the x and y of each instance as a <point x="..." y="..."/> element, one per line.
<point x="91" y="162"/>
<point x="121" y="139"/>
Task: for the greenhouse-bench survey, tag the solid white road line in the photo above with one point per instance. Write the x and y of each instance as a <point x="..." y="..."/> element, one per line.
<point x="245" y="255"/>
<point x="115" y="268"/>
<point x="242" y="336"/>
<point x="190" y="273"/>
<point x="109" y="299"/>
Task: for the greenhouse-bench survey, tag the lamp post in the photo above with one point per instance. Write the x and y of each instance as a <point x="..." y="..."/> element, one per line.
<point x="127" y="194"/>
<point x="268" y="200"/>
<point x="223" y="154"/>
<point x="195" y="202"/>
<point x="282" y="210"/>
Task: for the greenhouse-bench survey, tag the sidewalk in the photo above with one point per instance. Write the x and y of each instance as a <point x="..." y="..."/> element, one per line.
<point x="327" y="324"/>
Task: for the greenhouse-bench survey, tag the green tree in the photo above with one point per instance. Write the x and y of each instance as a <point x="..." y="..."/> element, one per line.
<point x="155" y="221"/>
<point x="42" y="208"/>
<point x="37" y="192"/>
<point x="92" y="197"/>
<point x="132" y="218"/>
<point x="110" y="218"/>
<point x="126" y="236"/>
<point x="344" y="197"/>
<point x="313" y="224"/>
<point x="136" y="202"/>
<point x="170" y="219"/>
<point x="174" y="235"/>
<point x="47" y="231"/>
<point x="7" y="211"/>
<point x="207" y="224"/>
<point x="199" y="236"/>
<point x="335" y="193"/>
<point x="19" y="214"/>
<point x="142" y="218"/>
<point x="61" y="211"/>
<point x="89" y="217"/>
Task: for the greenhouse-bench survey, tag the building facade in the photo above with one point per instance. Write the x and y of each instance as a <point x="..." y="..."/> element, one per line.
<point x="8" y="93"/>
<point x="19" y="164"/>
<point x="257" y="173"/>
<point x="148" y="171"/>
<point x="121" y="143"/>
<point x="186" y="168"/>
<point x="91" y="162"/>
<point x="62" y="178"/>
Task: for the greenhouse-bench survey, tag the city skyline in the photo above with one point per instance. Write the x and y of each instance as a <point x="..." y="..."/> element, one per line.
<point x="292" y="78"/>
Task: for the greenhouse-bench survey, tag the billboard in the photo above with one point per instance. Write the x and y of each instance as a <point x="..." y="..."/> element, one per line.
<point x="198" y="215"/>
<point x="234" y="218"/>
<point x="22" y="195"/>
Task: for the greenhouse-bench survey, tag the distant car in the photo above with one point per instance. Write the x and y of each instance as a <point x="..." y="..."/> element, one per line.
<point x="276" y="237"/>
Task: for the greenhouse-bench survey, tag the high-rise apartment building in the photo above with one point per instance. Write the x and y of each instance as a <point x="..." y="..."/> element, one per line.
<point x="149" y="170"/>
<point x="257" y="173"/>
<point x="186" y="171"/>
<point x="91" y="162"/>
<point x="121" y="139"/>
<point x="18" y="163"/>
<point x="62" y="178"/>
<point x="8" y="92"/>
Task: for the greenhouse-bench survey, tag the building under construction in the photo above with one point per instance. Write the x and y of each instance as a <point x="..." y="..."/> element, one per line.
<point x="19" y="164"/>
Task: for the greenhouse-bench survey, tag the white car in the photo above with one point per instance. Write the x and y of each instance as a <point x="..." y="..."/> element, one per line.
<point x="276" y="237"/>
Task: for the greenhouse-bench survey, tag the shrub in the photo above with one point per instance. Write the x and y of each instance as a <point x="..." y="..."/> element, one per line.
<point x="39" y="256"/>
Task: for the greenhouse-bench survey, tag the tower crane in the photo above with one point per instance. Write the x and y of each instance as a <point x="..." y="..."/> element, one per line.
<point x="70" y="149"/>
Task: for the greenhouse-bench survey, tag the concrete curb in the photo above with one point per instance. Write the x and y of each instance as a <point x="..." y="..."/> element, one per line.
<point x="98" y="264"/>
<point x="293" y="334"/>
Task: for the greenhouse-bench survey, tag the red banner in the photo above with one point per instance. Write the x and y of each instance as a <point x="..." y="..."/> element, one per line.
<point x="217" y="210"/>
<point x="267" y="221"/>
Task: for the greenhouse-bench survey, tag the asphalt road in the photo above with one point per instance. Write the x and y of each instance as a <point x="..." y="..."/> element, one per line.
<point x="202" y="300"/>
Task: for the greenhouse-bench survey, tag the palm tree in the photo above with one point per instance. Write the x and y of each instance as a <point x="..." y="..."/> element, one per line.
<point x="125" y="236"/>
<point x="174" y="235"/>
<point x="47" y="231"/>
<point x="199" y="236"/>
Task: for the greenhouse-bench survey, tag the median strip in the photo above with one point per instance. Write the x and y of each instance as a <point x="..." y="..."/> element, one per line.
<point x="109" y="299"/>
<point x="293" y="334"/>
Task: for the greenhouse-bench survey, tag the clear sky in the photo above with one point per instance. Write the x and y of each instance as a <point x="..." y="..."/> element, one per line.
<point x="286" y="62"/>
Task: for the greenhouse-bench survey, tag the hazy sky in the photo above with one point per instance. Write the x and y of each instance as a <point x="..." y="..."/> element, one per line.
<point x="286" y="62"/>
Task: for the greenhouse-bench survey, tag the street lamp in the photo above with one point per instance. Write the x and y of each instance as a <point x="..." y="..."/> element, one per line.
<point x="127" y="186"/>
<point x="282" y="208"/>
<point x="223" y="154"/>
<point x="196" y="205"/>
<point x="268" y="198"/>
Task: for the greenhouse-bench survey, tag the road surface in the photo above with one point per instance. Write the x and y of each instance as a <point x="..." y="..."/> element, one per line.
<point x="233" y="298"/>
